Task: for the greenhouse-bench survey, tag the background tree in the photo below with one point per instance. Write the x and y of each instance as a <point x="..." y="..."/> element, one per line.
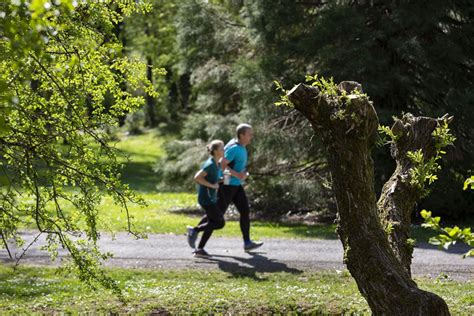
<point x="230" y="49"/>
<point x="151" y="37"/>
<point x="59" y="63"/>
<point x="229" y="84"/>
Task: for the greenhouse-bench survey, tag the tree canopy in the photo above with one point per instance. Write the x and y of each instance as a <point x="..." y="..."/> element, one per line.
<point x="64" y="82"/>
<point x="409" y="57"/>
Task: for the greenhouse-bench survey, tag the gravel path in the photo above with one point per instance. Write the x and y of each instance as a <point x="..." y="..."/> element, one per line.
<point x="290" y="255"/>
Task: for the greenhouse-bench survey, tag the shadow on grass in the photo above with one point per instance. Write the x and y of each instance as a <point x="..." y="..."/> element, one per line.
<point x="140" y="176"/>
<point x="250" y="266"/>
<point x="188" y="211"/>
<point x="321" y="231"/>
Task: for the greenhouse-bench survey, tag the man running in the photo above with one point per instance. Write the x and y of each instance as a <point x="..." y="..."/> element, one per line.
<point x="235" y="160"/>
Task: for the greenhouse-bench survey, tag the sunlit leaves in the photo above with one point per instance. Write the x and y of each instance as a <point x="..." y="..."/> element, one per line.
<point x="327" y="86"/>
<point x="424" y="170"/>
<point x="448" y="235"/>
<point x="469" y="183"/>
<point x="63" y="82"/>
<point x="443" y="137"/>
<point x="386" y="135"/>
<point x="284" y="101"/>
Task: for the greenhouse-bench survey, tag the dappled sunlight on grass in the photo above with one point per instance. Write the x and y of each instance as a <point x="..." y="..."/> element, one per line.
<point x="41" y="289"/>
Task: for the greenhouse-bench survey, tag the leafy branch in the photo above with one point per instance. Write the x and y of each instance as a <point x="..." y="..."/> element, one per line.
<point x="449" y="235"/>
<point x="424" y="171"/>
<point x="59" y="64"/>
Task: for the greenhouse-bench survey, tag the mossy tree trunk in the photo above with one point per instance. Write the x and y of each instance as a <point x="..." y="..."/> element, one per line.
<point x="348" y="126"/>
<point x="399" y="195"/>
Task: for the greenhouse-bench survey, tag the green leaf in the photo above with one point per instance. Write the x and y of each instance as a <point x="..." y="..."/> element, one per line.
<point x="469" y="183"/>
<point x="470" y="253"/>
<point x="452" y="232"/>
<point x="434" y="241"/>
<point x="447" y="244"/>
<point x="425" y="214"/>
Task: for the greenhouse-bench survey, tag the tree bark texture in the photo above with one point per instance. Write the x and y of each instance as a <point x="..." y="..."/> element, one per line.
<point x="150" y="101"/>
<point x="398" y="198"/>
<point x="348" y="127"/>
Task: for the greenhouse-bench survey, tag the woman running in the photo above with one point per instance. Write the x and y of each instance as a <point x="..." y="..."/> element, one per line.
<point x="207" y="179"/>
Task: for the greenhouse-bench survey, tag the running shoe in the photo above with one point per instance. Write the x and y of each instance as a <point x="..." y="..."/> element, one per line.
<point x="201" y="253"/>
<point x="192" y="236"/>
<point x="251" y="245"/>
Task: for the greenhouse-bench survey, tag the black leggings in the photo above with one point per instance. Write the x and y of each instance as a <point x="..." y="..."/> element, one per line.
<point x="213" y="219"/>
<point x="236" y="195"/>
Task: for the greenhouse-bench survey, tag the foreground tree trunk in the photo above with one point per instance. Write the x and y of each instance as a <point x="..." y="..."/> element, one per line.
<point x="398" y="198"/>
<point x="348" y="126"/>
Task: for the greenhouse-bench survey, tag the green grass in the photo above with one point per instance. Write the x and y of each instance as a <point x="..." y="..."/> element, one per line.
<point x="146" y="148"/>
<point x="33" y="289"/>
<point x="143" y="152"/>
<point x="171" y="212"/>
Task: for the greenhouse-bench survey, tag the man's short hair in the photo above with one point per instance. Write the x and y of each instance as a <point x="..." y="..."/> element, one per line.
<point x="242" y="129"/>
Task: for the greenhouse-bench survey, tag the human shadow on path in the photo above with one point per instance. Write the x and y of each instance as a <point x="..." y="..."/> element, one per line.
<point x="256" y="263"/>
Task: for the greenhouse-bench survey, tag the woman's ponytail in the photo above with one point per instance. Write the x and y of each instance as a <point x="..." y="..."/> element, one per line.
<point x="214" y="145"/>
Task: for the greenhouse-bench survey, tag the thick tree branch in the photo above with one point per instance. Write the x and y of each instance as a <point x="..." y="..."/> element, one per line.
<point x="399" y="196"/>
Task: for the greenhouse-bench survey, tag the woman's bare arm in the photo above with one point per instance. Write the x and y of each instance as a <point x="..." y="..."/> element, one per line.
<point x="199" y="177"/>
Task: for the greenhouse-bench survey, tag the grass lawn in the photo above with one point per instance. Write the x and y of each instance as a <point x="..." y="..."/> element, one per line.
<point x="33" y="289"/>
<point x="143" y="152"/>
<point x="169" y="213"/>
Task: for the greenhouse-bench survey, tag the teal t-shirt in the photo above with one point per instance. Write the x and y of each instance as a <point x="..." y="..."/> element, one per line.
<point x="207" y="196"/>
<point x="236" y="154"/>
